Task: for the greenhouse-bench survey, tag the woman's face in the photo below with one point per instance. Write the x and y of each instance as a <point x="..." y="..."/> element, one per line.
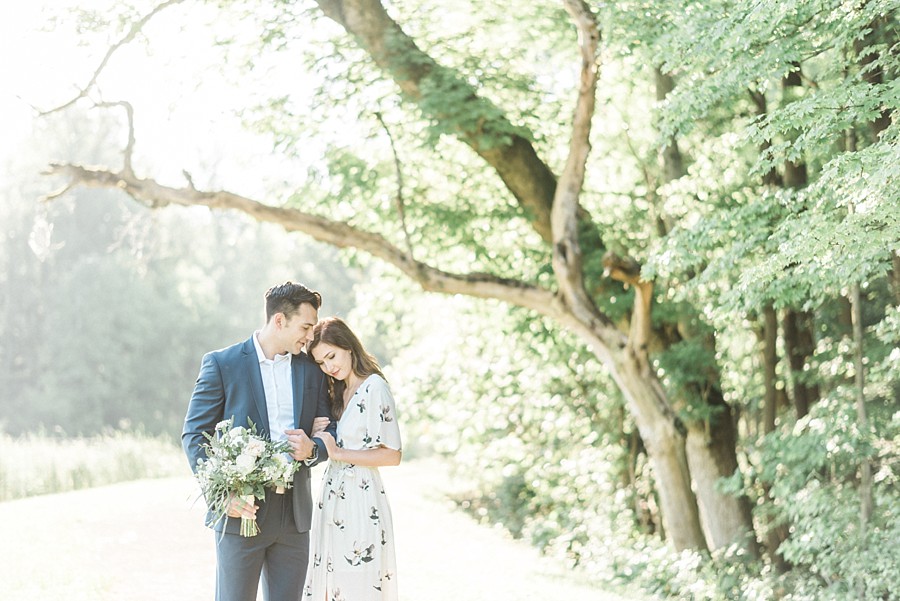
<point x="334" y="361"/>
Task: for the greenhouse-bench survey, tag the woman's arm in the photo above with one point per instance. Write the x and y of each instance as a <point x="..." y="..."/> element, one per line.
<point x="378" y="457"/>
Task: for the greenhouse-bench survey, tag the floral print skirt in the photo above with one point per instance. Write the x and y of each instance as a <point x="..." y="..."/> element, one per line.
<point x="352" y="540"/>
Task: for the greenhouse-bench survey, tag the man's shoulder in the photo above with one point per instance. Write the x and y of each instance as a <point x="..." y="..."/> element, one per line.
<point x="304" y="359"/>
<point x="232" y="351"/>
<point x="308" y="365"/>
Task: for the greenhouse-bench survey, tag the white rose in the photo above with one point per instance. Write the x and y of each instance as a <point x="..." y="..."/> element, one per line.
<point x="245" y="463"/>
<point x="236" y="432"/>
<point x="256" y="447"/>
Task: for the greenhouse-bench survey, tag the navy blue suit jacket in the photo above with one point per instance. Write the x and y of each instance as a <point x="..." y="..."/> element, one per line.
<point x="230" y="386"/>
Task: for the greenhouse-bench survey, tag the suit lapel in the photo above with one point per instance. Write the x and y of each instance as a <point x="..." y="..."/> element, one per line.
<point x="257" y="392"/>
<point x="298" y="375"/>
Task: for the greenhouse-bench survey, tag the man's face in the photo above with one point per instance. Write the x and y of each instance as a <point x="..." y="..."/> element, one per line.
<point x="295" y="332"/>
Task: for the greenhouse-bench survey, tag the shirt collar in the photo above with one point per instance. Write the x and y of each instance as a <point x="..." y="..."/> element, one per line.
<point x="262" y="356"/>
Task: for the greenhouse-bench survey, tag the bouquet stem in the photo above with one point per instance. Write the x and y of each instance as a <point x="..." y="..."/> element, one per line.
<point x="249" y="526"/>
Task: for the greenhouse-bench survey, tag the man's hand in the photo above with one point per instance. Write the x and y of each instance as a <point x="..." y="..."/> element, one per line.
<point x="239" y="508"/>
<point x="301" y="444"/>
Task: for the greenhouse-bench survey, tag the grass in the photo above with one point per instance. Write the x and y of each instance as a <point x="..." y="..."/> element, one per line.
<point x="38" y="464"/>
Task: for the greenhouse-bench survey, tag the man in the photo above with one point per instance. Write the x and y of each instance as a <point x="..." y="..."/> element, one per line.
<point x="280" y="389"/>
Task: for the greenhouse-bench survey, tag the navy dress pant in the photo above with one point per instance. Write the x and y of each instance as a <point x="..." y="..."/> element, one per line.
<point x="277" y="556"/>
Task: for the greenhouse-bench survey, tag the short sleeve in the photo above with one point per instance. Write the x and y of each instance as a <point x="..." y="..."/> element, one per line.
<point x="382" y="429"/>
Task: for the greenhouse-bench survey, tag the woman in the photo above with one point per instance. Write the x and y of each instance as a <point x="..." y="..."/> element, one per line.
<point x="352" y="548"/>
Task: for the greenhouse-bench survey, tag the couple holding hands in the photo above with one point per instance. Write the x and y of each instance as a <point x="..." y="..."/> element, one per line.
<point x="313" y="384"/>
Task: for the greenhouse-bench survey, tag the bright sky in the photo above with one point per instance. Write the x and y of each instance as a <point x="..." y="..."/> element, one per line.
<point x="23" y="54"/>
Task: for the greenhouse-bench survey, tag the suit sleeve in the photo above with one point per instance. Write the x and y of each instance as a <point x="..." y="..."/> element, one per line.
<point x="323" y="409"/>
<point x="205" y="410"/>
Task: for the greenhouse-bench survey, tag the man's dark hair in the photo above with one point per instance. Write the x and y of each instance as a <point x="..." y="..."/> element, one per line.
<point x="286" y="298"/>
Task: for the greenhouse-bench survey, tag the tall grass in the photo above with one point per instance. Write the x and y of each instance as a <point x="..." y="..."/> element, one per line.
<point x="37" y="464"/>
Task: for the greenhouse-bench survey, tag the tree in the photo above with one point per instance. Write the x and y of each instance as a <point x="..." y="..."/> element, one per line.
<point x="565" y="257"/>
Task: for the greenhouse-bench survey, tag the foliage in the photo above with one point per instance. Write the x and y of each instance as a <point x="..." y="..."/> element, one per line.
<point x="813" y="467"/>
<point x="799" y="247"/>
<point x="546" y="451"/>
<point x="760" y="89"/>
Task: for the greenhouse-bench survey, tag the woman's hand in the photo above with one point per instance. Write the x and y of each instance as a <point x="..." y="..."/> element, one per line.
<point x="330" y="444"/>
<point x="319" y="424"/>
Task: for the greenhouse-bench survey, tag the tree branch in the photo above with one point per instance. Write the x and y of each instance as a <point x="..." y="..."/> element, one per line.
<point x="401" y="208"/>
<point x="567" y="257"/>
<point x="129" y="146"/>
<point x="335" y="233"/>
<point x="422" y="80"/>
<point x="132" y="33"/>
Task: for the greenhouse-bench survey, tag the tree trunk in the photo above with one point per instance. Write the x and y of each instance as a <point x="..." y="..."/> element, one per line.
<point x="798" y="337"/>
<point x="775" y="533"/>
<point x="881" y="31"/>
<point x="711" y="444"/>
<point x="665" y="443"/>
<point x="669" y="155"/>
<point x="661" y="431"/>
<point x="645" y="506"/>
<point x="865" y="484"/>
<point x="880" y="28"/>
<point x="725" y="518"/>
<point x="627" y="360"/>
<point x="770" y="368"/>
<point x="799" y="347"/>
<point x="866" y="501"/>
<point x="895" y="276"/>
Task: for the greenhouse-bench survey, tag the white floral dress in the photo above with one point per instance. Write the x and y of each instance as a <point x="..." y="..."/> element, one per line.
<point x="352" y="540"/>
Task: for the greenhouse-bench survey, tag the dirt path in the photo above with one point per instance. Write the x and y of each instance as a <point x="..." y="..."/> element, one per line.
<point x="144" y="540"/>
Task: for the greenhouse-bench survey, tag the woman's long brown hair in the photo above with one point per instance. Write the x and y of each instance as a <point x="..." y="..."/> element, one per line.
<point x="333" y="331"/>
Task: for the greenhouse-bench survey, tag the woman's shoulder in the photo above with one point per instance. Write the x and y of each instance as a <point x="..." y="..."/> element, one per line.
<point x="375" y="386"/>
<point x="374" y="383"/>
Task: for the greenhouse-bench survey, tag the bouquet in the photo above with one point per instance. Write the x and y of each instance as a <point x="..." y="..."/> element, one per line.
<point x="239" y="462"/>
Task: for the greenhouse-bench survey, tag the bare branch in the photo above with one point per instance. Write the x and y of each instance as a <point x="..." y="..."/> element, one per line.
<point x="401" y="209"/>
<point x="132" y="33"/>
<point x="623" y="269"/>
<point x="190" y="179"/>
<point x="336" y="233"/>
<point x="129" y="147"/>
<point x="628" y="271"/>
<point x="54" y="195"/>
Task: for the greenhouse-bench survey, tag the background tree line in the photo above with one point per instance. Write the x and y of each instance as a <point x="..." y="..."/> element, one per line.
<point x="709" y="339"/>
<point x="107" y="308"/>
